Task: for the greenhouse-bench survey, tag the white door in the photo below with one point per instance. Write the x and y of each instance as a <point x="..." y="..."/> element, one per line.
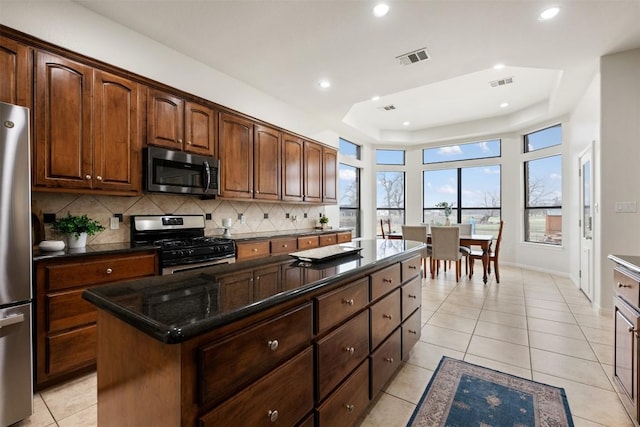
<point x="586" y="223"/>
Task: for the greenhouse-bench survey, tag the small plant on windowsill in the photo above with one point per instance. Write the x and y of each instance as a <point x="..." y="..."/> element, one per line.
<point x="446" y="207"/>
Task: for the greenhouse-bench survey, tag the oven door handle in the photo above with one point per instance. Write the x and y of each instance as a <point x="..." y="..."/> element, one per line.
<point x="207" y="176"/>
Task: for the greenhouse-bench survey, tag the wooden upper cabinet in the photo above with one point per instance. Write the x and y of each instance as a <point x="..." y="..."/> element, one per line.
<point x="62" y="123"/>
<point x="165" y="120"/>
<point x="117" y="133"/>
<point x="235" y="149"/>
<point x="312" y="172"/>
<point x="266" y="163"/>
<point x="200" y="126"/>
<point x="329" y="175"/>
<point x="292" y="168"/>
<point x="16" y="72"/>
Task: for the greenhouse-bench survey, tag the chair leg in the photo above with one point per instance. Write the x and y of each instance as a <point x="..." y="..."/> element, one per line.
<point x="495" y="267"/>
<point x="470" y="267"/>
<point x="433" y="268"/>
<point x="458" y="265"/>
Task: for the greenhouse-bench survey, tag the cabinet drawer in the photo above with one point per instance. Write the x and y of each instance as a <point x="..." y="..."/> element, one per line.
<point x="627" y="286"/>
<point x="284" y="245"/>
<point x="385" y="317"/>
<point x="385" y="361"/>
<point x="336" y="306"/>
<point x="384" y="281"/>
<point x="308" y="242"/>
<point x="328" y="239"/>
<point x="68" y="310"/>
<point x="411" y="297"/>
<point x="344" y="237"/>
<point x="92" y="271"/>
<point x="411" y="268"/>
<point x="344" y="407"/>
<point x="228" y="365"/>
<point x="411" y="331"/>
<point x="252" y="250"/>
<point x="281" y="398"/>
<point x="308" y="422"/>
<point x="70" y="350"/>
<point x="341" y="351"/>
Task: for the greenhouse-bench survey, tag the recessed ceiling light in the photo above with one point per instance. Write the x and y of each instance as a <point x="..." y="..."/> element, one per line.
<point x="548" y="13"/>
<point x="325" y="84"/>
<point x="375" y="98"/>
<point x="380" y="9"/>
<point x="504" y="105"/>
<point x="406" y="123"/>
<point x="498" y="66"/>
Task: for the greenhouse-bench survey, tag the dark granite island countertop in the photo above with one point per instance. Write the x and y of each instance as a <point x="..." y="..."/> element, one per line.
<point x="175" y="308"/>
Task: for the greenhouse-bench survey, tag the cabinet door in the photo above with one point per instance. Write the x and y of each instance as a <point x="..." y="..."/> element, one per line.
<point x="625" y="364"/>
<point x="62" y="123"/>
<point x="266" y="163"/>
<point x="312" y="172"/>
<point x="165" y="120"/>
<point x="292" y="154"/>
<point x="15" y="69"/>
<point x="117" y="134"/>
<point x="329" y="175"/>
<point x="236" y="156"/>
<point x="200" y="129"/>
<point x="266" y="282"/>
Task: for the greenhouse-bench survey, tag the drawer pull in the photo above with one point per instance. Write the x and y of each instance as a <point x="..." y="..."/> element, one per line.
<point x="255" y="249"/>
<point x="350" y="350"/>
<point x="412" y="296"/>
<point x="387" y="280"/>
<point x="412" y="267"/>
<point x="273" y="415"/>
<point x="273" y="345"/>
<point x="411" y="331"/>
<point x="348" y="301"/>
<point x="388" y="359"/>
<point x="350" y="408"/>
<point x="109" y="271"/>
<point x="284" y="246"/>
<point x="622" y="285"/>
<point x="387" y="316"/>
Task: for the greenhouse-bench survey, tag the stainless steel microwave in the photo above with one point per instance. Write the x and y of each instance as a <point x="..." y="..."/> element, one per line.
<point x="169" y="171"/>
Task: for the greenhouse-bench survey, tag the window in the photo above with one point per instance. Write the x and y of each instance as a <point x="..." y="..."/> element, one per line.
<point x="544" y="138"/>
<point x="390" y="198"/>
<point x="474" y="193"/>
<point x="543" y="200"/>
<point x="390" y="157"/>
<point x="468" y="151"/>
<point x="349" y="149"/>
<point x="350" y="198"/>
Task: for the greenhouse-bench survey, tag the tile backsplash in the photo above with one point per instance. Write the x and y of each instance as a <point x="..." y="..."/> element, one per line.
<point x="246" y="217"/>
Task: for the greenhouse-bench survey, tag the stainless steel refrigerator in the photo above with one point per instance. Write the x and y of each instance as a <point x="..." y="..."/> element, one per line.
<point x="16" y="367"/>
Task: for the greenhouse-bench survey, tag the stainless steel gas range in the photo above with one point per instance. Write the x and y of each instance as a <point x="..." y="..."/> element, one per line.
<point x="183" y="245"/>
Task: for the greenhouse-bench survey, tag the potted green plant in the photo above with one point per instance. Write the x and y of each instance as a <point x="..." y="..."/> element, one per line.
<point x="77" y="228"/>
<point x="447" y="211"/>
<point x="324" y="221"/>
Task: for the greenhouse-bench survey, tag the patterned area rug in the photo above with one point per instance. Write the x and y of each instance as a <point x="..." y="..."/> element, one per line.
<point x="461" y="394"/>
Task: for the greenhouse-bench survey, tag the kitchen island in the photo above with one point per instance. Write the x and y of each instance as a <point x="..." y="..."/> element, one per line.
<point x="275" y="341"/>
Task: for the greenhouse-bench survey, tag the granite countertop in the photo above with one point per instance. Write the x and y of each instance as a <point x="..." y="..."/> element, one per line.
<point x="174" y="308"/>
<point x="106" y="248"/>
<point x="632" y="262"/>
<point x="285" y="233"/>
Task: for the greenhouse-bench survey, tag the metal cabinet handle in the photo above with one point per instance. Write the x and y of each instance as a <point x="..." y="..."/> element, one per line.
<point x="387" y="280"/>
<point x="622" y="285"/>
<point x="411" y="331"/>
<point x="99" y="178"/>
<point x="350" y="350"/>
<point x="189" y="142"/>
<point x="412" y="296"/>
<point x="255" y="249"/>
<point x="349" y="407"/>
<point x="348" y="301"/>
<point x="412" y="267"/>
<point x="273" y="345"/>
<point x="273" y="415"/>
<point x="87" y="177"/>
<point x="388" y="359"/>
<point x="11" y="320"/>
<point x="180" y="141"/>
<point x="109" y="270"/>
<point x="387" y="316"/>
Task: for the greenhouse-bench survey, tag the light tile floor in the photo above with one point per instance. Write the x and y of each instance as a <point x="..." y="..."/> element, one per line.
<point x="532" y="324"/>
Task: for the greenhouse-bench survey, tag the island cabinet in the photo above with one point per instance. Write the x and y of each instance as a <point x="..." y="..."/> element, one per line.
<point x="16" y="71"/>
<point x="65" y="323"/>
<point x="178" y="124"/>
<point x="87" y="128"/>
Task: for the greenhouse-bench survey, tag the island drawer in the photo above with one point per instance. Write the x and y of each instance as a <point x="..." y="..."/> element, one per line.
<point x="72" y="349"/>
<point x="627" y="286"/>
<point x="328" y="239"/>
<point x="284" y="245"/>
<point x="344" y="237"/>
<point x="340" y="352"/>
<point x="67" y="309"/>
<point x="411" y="297"/>
<point x="251" y="250"/>
<point x="334" y="307"/>
<point x="283" y="397"/>
<point x="411" y="268"/>
<point x="308" y="242"/>
<point x="385" y="361"/>
<point x="345" y="406"/>
<point x="384" y="281"/>
<point x="99" y="270"/>
<point x="233" y="363"/>
<point x="385" y="317"/>
<point x="411" y="330"/>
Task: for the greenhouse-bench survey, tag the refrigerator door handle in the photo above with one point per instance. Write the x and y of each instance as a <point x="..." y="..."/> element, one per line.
<point x="11" y="320"/>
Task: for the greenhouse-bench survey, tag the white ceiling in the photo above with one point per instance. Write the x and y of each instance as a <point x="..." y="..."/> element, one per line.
<point x="284" y="48"/>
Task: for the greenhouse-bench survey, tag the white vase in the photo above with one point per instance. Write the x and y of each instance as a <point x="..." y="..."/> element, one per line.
<point x="76" y="242"/>
<point x="447" y="222"/>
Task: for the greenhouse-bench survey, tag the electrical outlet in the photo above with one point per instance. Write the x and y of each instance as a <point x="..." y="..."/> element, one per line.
<point x="114" y="223"/>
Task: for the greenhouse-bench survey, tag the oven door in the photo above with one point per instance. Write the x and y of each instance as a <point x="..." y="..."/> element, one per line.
<point x="168" y="171"/>
<point x="186" y="267"/>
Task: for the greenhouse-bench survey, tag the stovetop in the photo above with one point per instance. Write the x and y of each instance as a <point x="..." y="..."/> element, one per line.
<point x="192" y="242"/>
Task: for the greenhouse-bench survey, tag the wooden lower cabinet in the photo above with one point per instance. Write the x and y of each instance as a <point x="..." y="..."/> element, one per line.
<point x="385" y="361"/>
<point x="348" y="403"/>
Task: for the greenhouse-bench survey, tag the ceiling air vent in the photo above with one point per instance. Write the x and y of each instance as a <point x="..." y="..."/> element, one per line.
<point x="501" y="82"/>
<point x="413" y="57"/>
<point x="388" y="107"/>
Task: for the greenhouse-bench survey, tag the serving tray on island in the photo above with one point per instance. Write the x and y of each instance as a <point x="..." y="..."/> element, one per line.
<point x="325" y="253"/>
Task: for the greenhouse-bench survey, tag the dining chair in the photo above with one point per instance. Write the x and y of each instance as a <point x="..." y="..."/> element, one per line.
<point x="418" y="233"/>
<point x="493" y="256"/>
<point x="445" y="246"/>
<point x="465" y="230"/>
<point x="387" y="222"/>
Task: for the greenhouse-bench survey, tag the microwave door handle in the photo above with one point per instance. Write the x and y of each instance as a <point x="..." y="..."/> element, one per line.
<point x="207" y="176"/>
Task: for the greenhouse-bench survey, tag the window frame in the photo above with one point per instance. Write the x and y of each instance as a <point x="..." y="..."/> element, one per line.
<point x="404" y="157"/>
<point x="424" y="150"/>
<point x="548" y="152"/>
<point x="356" y="209"/>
